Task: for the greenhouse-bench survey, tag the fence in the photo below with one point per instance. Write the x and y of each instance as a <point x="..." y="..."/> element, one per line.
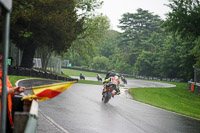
<point x="54" y="64"/>
<point x="194" y="84"/>
<point x="25" y="115"/>
<point x="195" y="88"/>
<point x="196" y="75"/>
<point x="128" y="75"/>
<point x="19" y="71"/>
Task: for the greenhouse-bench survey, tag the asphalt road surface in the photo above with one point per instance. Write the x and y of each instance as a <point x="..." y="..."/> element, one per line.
<point x="79" y="109"/>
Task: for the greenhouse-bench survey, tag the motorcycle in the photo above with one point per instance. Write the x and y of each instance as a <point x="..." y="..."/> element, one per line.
<point x="82" y="77"/>
<point x="108" y="91"/>
<point x="124" y="81"/>
<point x="99" y="78"/>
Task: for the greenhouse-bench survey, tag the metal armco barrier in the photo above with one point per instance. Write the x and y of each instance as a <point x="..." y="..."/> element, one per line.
<point x="130" y="76"/>
<point x="26" y="121"/>
<point x="19" y="71"/>
<point x="31" y="126"/>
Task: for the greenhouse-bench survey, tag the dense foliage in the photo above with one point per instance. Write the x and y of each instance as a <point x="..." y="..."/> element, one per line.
<point x="184" y="21"/>
<point x="51" y="23"/>
<point x="150" y="46"/>
<point x="84" y="47"/>
<point x="147" y="45"/>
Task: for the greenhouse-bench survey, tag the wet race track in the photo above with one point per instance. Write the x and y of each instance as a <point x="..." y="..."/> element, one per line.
<point x="79" y="109"/>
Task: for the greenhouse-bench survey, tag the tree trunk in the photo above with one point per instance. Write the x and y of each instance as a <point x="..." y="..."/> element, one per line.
<point x="47" y="60"/>
<point x="28" y="55"/>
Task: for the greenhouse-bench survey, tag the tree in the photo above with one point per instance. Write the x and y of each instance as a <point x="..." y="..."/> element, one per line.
<point x="88" y="7"/>
<point x="184" y="21"/>
<point x="94" y="34"/>
<point x="53" y="23"/>
<point x="184" y="18"/>
<point x="107" y="47"/>
<point x="138" y="29"/>
<point x="144" y="65"/>
<point x="95" y="30"/>
<point x="122" y="67"/>
<point x="100" y="63"/>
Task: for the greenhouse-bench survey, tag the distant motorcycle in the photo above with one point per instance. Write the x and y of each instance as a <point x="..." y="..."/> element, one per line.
<point x="99" y="78"/>
<point x="124" y="80"/>
<point x="82" y="77"/>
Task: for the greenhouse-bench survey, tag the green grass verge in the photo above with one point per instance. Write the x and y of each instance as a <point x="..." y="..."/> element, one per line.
<point x="72" y="72"/>
<point x="14" y="79"/>
<point x="90" y="82"/>
<point x="177" y="99"/>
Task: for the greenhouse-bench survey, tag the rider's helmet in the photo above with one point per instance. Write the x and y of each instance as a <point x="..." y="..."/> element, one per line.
<point x="117" y="76"/>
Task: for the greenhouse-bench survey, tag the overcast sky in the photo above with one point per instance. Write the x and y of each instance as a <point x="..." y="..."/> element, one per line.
<point x="114" y="9"/>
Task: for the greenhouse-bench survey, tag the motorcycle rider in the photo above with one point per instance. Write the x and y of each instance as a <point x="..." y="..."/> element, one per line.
<point x="108" y="78"/>
<point x="110" y="74"/>
<point x="99" y="77"/>
<point x="81" y="76"/>
<point x="123" y="79"/>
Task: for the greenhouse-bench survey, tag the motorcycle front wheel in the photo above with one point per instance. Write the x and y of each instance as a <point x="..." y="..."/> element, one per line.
<point x="107" y="97"/>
